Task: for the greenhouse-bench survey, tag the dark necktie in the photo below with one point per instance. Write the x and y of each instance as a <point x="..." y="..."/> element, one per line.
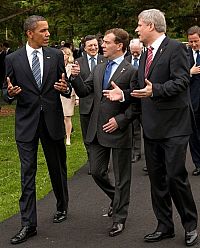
<point x="198" y="58"/>
<point x="107" y="74"/>
<point x="148" y="60"/>
<point x="36" y="69"/>
<point x="92" y="60"/>
<point x="135" y="63"/>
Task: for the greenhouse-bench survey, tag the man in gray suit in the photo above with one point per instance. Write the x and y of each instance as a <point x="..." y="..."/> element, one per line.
<point x="110" y="128"/>
<point x="36" y="78"/>
<point x="89" y="59"/>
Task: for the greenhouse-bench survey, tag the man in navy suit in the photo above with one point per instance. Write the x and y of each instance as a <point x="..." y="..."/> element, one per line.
<point x="194" y="55"/>
<point x="39" y="115"/>
<point x="163" y="78"/>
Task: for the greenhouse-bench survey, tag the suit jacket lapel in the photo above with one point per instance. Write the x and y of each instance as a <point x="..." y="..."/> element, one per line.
<point x="23" y="60"/>
<point x="120" y="70"/>
<point x="46" y="66"/>
<point x="158" y="54"/>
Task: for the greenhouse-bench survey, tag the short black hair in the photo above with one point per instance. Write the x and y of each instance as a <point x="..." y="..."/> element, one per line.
<point x="89" y="37"/>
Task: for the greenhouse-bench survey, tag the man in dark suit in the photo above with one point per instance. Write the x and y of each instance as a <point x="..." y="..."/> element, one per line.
<point x="109" y="129"/>
<point x="194" y="55"/>
<point x="35" y="78"/>
<point x="163" y="76"/>
<point x="91" y="48"/>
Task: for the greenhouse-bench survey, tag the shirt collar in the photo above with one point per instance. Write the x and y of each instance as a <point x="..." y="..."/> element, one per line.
<point x="119" y="59"/>
<point x="158" y="42"/>
<point x="30" y="50"/>
<point x="89" y="57"/>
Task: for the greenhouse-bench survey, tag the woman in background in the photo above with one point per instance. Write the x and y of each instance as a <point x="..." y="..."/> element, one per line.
<point x="68" y="103"/>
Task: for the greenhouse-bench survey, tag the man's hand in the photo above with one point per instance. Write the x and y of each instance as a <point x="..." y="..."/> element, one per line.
<point x="145" y="92"/>
<point x="62" y="84"/>
<point x="195" y="70"/>
<point x="12" y="91"/>
<point x="75" y="70"/>
<point x="110" y="126"/>
<point x="115" y="94"/>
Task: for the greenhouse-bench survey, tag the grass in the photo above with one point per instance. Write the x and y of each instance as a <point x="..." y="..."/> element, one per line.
<point x="10" y="190"/>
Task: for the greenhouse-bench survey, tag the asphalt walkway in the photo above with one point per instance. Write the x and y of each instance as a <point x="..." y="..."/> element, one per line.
<point x="87" y="227"/>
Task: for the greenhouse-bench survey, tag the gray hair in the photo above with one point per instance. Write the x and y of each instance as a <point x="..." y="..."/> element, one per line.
<point x="31" y="22"/>
<point x="194" y="30"/>
<point x="136" y="42"/>
<point x="154" y="16"/>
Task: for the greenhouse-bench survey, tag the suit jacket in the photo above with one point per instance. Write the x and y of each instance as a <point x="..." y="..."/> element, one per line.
<point x="86" y="103"/>
<point x="31" y="98"/>
<point x="104" y="109"/>
<point x="194" y="84"/>
<point x="168" y="112"/>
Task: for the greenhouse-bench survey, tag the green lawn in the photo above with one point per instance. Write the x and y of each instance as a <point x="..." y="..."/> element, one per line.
<point x="10" y="166"/>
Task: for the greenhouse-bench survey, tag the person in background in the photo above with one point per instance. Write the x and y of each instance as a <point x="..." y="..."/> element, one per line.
<point x="87" y="62"/>
<point x="68" y="103"/>
<point x="193" y="35"/>
<point x="136" y="48"/>
<point x="35" y="79"/>
<point x="163" y="81"/>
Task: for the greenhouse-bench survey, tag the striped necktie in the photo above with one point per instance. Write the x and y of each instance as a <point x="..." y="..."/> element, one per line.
<point x="36" y="69"/>
<point x="135" y="63"/>
<point x="148" y="60"/>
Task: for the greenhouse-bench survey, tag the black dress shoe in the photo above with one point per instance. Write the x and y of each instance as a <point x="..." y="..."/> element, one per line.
<point x="196" y="172"/>
<point x="59" y="216"/>
<point x="191" y="238"/>
<point x="116" y="229"/>
<point x="158" y="236"/>
<point x="25" y="233"/>
<point x="136" y="158"/>
<point x="110" y="211"/>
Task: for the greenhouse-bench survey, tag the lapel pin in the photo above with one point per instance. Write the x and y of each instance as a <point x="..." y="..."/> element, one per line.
<point x="161" y="50"/>
<point x="48" y="57"/>
<point x="123" y="70"/>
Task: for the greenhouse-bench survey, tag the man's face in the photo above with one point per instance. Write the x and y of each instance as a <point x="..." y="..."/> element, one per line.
<point x="39" y="37"/>
<point x="143" y="31"/>
<point x="135" y="50"/>
<point x="110" y="48"/>
<point x="91" y="47"/>
<point x="194" y="41"/>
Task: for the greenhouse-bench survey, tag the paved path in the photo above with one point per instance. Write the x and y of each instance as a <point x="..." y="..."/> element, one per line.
<point x="86" y="227"/>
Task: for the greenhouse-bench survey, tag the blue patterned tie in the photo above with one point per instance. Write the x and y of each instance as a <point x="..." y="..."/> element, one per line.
<point x="135" y="63"/>
<point x="198" y="58"/>
<point x="107" y="74"/>
<point x="36" y="69"/>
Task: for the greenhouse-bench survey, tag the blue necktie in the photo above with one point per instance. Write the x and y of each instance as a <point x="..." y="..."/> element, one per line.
<point x="135" y="63"/>
<point x="107" y="74"/>
<point x="198" y="58"/>
<point x="92" y="59"/>
<point x="36" y="69"/>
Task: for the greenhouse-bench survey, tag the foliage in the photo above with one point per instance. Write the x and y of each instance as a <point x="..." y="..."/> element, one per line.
<point x="10" y="166"/>
<point x="73" y="19"/>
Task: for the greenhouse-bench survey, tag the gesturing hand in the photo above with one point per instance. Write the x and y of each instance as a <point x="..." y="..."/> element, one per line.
<point x="115" y="94"/>
<point x="145" y="92"/>
<point x="12" y="90"/>
<point x="62" y="84"/>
